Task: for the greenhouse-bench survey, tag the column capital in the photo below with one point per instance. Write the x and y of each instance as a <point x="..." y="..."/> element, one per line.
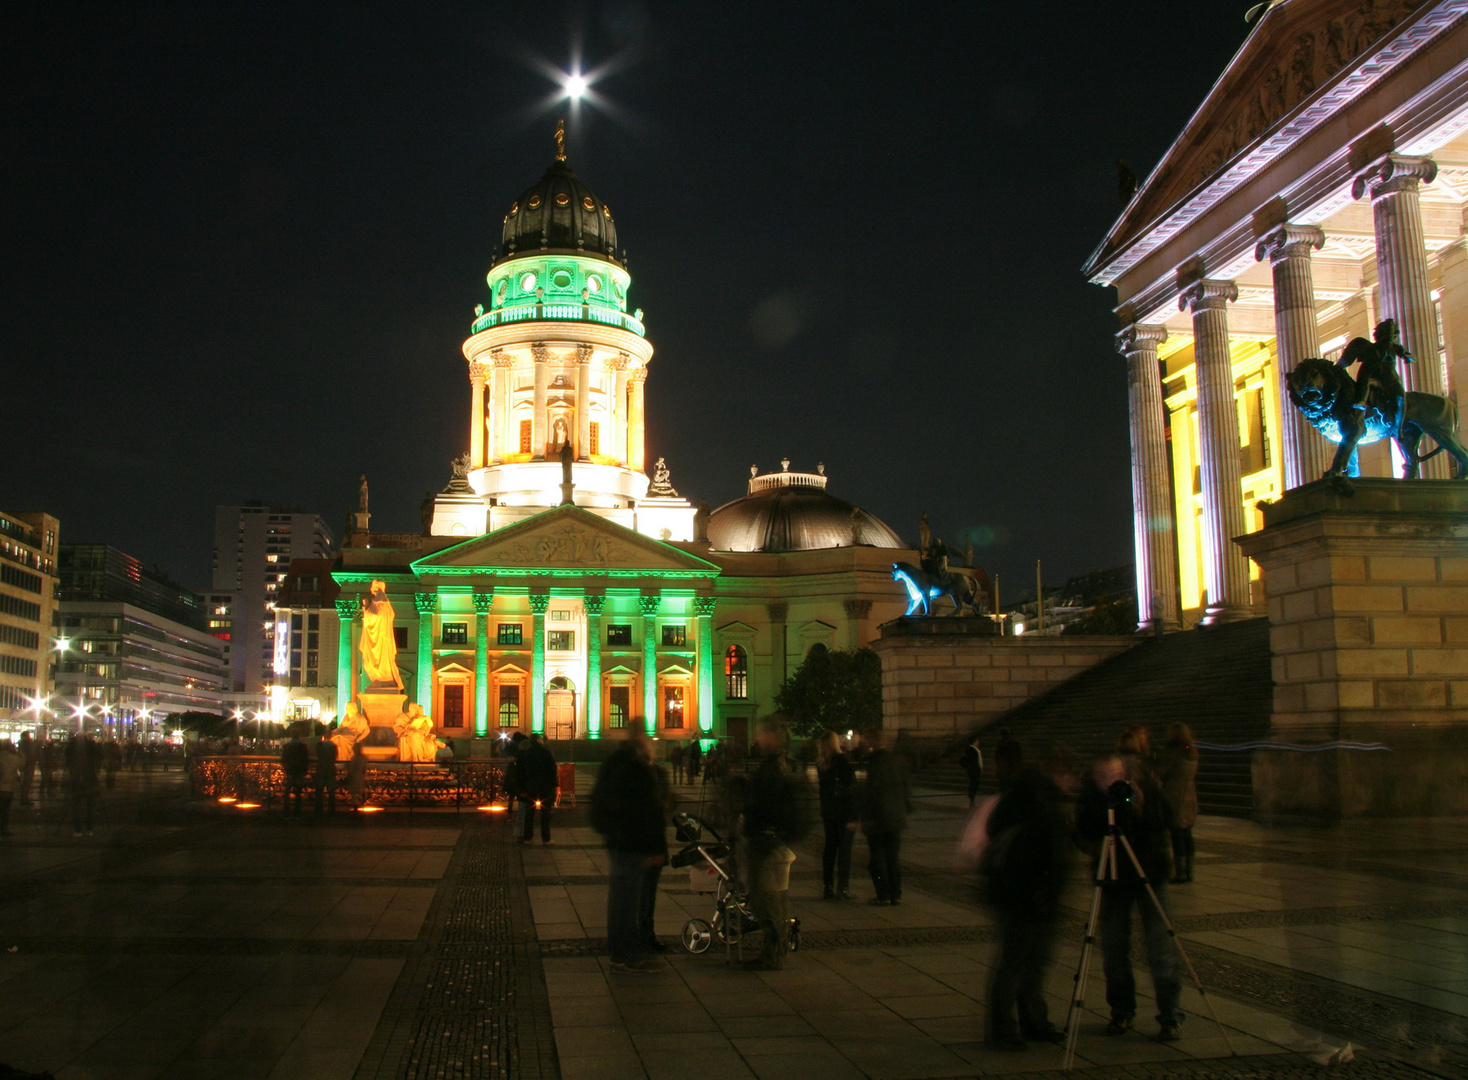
<point x="637" y="374"/>
<point x="1391" y="173"/>
<point x="618" y="362"/>
<point x="539" y="602"/>
<point x="478" y="372"/>
<point x="594" y="603"/>
<point x="346" y="607"/>
<point x="1287" y="241"/>
<point x="649" y="605"/>
<point x="501" y="359"/>
<point x="540" y="353"/>
<point x="483" y="600"/>
<point x="1207" y="294"/>
<point x="703" y="606"/>
<point x="857" y="609"/>
<point x="778" y="610"/>
<point x="1139" y="337"/>
<point x="583" y="354"/>
<point x="425" y="602"/>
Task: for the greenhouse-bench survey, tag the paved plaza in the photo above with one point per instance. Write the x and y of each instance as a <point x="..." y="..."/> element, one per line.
<point x="193" y="940"/>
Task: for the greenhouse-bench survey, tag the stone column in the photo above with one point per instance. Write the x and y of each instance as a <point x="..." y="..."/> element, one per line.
<point x="593" y="603"/>
<point x="857" y="613"/>
<point x="636" y="428"/>
<point x="583" y="402"/>
<point x="1152" y="523"/>
<point x="477" y="373"/>
<point x="1401" y="271"/>
<point x="649" y="605"/>
<point x="1226" y="571"/>
<point x="495" y="447"/>
<point x="427" y="604"/>
<point x="703" y="607"/>
<point x="346" y="617"/>
<point x="537" y="421"/>
<point x="483" y="601"/>
<point x="778" y="611"/>
<point x="538" y="603"/>
<point x="1452" y="264"/>
<point x="619" y="405"/>
<point x="1296" y="334"/>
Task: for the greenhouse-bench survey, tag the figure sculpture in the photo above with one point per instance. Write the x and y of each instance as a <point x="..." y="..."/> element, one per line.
<point x="414" y="730"/>
<point x="923" y="587"/>
<point x="558" y="432"/>
<point x="662" y="481"/>
<point x="352" y="729"/>
<point x="378" y="647"/>
<point x="1373" y="406"/>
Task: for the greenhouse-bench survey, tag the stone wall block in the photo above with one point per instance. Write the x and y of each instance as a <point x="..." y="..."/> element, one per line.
<point x="1301" y="667"/>
<point x="1458" y="692"/>
<point x="1300" y="606"/>
<point x="1082" y="659"/>
<point x="910" y="676"/>
<point x="1347" y="567"/>
<point x="1349" y="599"/>
<point x="1449" y="599"/>
<point x="935" y="659"/>
<point x="1402" y="568"/>
<point x="1287" y="639"/>
<point x="1455" y="628"/>
<point x="1440" y="661"/>
<point x="1322" y="696"/>
<point x="1283" y="579"/>
<point x="1288" y="699"/>
<point x="1412" y="693"/>
<point x="1274" y="608"/>
<point x="1406" y="629"/>
<point x="1356" y="695"/>
<point x="1453" y="568"/>
<point x="1372" y="661"/>
<point x="1011" y="659"/>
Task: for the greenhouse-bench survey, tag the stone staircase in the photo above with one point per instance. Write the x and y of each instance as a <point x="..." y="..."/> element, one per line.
<point x="1215" y="680"/>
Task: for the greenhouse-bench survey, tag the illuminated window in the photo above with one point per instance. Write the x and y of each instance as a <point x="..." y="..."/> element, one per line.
<point x="561" y="640"/>
<point x="736" y="672"/>
<point x="455" y="633"/>
<point x="619" y="634"/>
<point x="509" y="706"/>
<point x="675" y="636"/>
<point x="453" y="707"/>
<point x="560" y="615"/>
<point x="510" y="634"/>
<point x="400" y="636"/>
<point x="618" y="706"/>
<point x="524" y="436"/>
<point x="672" y="706"/>
<point x="595" y="438"/>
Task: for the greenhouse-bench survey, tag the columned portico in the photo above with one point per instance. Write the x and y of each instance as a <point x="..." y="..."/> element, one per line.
<point x="1225" y="568"/>
<point x="1151" y="491"/>
<point x="1297" y="336"/>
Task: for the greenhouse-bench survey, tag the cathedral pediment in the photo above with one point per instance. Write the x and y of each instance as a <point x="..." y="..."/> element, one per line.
<point x="566" y="538"/>
<point x="1299" y="66"/>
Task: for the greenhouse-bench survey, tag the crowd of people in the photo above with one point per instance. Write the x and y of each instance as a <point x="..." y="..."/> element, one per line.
<point x="77" y="769"/>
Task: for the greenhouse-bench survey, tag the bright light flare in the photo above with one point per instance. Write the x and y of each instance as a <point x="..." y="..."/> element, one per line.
<point x="247" y="806"/>
<point x="369" y="809"/>
<point x="227" y="799"/>
<point x="576" y="86"/>
<point x="494" y="809"/>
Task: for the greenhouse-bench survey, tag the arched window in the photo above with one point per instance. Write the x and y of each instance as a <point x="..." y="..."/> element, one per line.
<point x="736" y="673"/>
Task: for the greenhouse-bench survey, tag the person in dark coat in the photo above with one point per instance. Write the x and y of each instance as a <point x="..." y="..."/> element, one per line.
<point x="1177" y="768"/>
<point x="83" y="758"/>
<point x="838" y="815"/>
<point x="30" y="753"/>
<point x="295" y="762"/>
<point x="1009" y="756"/>
<point x="973" y="765"/>
<point x="773" y="819"/>
<point x="1142" y="816"/>
<point x="627" y="808"/>
<point x="326" y="755"/>
<point x="884" y="803"/>
<point x="694" y="760"/>
<point x="539" y="783"/>
<point x="1027" y="865"/>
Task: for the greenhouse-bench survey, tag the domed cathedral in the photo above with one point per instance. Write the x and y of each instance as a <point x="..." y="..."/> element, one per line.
<point x="556" y="587"/>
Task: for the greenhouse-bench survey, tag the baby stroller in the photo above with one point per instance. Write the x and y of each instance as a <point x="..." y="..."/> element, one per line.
<point x="732" y="917"/>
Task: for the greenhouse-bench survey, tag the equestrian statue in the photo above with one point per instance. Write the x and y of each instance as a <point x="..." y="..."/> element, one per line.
<point x="1374" y="405"/>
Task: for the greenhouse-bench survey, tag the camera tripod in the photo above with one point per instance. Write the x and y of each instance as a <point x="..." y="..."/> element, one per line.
<point x="1107" y="869"/>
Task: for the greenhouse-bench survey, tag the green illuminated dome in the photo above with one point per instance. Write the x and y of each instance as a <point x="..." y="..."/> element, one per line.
<point x="559" y="214"/>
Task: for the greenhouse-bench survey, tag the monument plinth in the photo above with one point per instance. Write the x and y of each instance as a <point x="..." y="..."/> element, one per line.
<point x="383" y="708"/>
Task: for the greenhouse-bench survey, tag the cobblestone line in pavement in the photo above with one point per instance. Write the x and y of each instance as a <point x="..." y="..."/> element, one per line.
<point x="474" y="1006"/>
<point x="1367" y="1066"/>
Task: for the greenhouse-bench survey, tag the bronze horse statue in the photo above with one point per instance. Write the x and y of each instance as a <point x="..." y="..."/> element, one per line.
<point x="1325" y="395"/>
<point x="923" y="587"/>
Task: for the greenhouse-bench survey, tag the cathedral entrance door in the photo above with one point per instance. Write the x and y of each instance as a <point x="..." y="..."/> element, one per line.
<point x="560" y="714"/>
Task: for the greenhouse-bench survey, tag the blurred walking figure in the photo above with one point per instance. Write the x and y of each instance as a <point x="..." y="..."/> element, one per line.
<point x="773" y="819"/>
<point x="883" y="803"/>
<point x="50" y="756"/>
<point x="326" y="755"/>
<point x="10" y="766"/>
<point x="838" y="815"/>
<point x="1142" y="816"/>
<point x="82" y="762"/>
<point x="111" y="762"/>
<point x="1178" y="768"/>
<point x="675" y="757"/>
<point x="627" y="807"/>
<point x="973" y="765"/>
<point x="1134" y="745"/>
<point x="538" y="786"/>
<point x="1009" y="756"/>
<point x="295" y="762"/>
<point x="694" y="759"/>
<point x="1026" y="866"/>
<point x="30" y="753"/>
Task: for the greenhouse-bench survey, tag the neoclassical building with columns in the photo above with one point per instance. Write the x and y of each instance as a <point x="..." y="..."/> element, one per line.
<point x="555" y="586"/>
<point x="1320" y="187"/>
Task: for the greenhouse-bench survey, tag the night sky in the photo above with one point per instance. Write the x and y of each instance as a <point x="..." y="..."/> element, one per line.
<point x="243" y="243"/>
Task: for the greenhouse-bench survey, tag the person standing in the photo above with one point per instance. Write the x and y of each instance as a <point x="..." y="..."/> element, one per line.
<point x="10" y="766"/>
<point x="694" y="759"/>
<point x="29" y="752"/>
<point x="326" y="754"/>
<point x="1178" y="766"/>
<point x="295" y="762"/>
<point x="1134" y="745"/>
<point x="675" y="758"/>
<point x="884" y="805"/>
<point x="50" y="760"/>
<point x="1142" y="815"/>
<point x="538" y="786"/>
<point x="82" y="762"/>
<point x="627" y="809"/>
<point x="772" y="820"/>
<point x="111" y="762"/>
<point x="1009" y="758"/>
<point x="837" y="780"/>
<point x="973" y="765"/>
<point x="1027" y="865"/>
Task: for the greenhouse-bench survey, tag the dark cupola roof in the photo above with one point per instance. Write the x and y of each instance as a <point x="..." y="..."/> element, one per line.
<point x="788" y="511"/>
<point x="559" y="213"/>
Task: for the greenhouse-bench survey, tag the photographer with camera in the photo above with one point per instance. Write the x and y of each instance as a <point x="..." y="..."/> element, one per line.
<point x="1141" y="820"/>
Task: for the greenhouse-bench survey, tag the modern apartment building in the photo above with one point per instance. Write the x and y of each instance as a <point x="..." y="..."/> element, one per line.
<point x="28" y="544"/>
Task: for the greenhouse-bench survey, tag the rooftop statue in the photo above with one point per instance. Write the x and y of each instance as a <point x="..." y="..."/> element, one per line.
<point x="1374" y="405"/>
<point x="378" y="647"/>
<point x="662" y="482"/>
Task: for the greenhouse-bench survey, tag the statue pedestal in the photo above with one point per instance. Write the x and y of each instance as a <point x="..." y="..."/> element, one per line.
<point x="382" y="708"/>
